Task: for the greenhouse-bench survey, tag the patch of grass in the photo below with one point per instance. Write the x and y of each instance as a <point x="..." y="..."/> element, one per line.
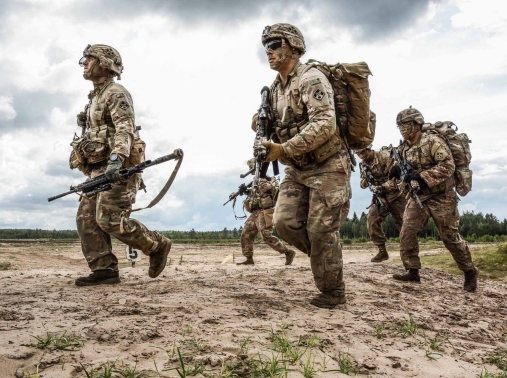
<point x="51" y="341"/>
<point x="128" y="371"/>
<point x="245" y="345"/>
<point x="312" y="341"/>
<point x="409" y="327"/>
<point x="197" y="345"/>
<point x="187" y="370"/>
<point x="378" y="331"/>
<point x="290" y="350"/>
<point x="491" y="261"/>
<point x="308" y="366"/>
<point x="269" y="367"/>
<point x="433" y="355"/>
<point x="499" y="359"/>
<point x="486" y="374"/>
<point x="105" y="371"/>
<point x="347" y="364"/>
<point x="5" y="265"/>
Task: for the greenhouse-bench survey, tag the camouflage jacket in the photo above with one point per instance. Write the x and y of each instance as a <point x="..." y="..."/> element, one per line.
<point x="110" y="116"/>
<point x="264" y="196"/>
<point x="431" y="158"/>
<point x="305" y="119"/>
<point x="379" y="167"/>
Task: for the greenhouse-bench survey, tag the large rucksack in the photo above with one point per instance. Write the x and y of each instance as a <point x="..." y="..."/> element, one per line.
<point x="459" y="144"/>
<point x="352" y="101"/>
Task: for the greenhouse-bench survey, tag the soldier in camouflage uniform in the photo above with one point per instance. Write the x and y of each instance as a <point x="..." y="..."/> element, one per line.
<point x="387" y="191"/>
<point x="260" y="202"/>
<point x="314" y="197"/>
<point x="433" y="168"/>
<point x="110" y="142"/>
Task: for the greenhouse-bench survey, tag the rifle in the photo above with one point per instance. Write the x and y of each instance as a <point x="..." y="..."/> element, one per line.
<point x="241" y="191"/>
<point x="264" y="131"/>
<point x="371" y="184"/>
<point x="406" y="168"/>
<point x="101" y="183"/>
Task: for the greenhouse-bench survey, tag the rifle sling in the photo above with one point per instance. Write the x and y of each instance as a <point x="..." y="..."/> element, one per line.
<point x="164" y="189"/>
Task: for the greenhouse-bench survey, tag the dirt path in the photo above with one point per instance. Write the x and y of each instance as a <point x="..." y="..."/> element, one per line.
<point x="207" y="310"/>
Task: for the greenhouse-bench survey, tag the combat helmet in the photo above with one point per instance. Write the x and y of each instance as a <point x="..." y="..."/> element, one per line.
<point x="408" y="115"/>
<point x="108" y="57"/>
<point x="286" y="31"/>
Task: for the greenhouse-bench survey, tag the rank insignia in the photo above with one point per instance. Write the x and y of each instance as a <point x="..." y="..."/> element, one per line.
<point x="318" y="94"/>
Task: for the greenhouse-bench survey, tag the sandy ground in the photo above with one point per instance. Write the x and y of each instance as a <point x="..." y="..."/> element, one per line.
<point x="207" y="309"/>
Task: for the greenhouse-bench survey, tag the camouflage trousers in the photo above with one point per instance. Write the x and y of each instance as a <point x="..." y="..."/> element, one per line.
<point x="377" y="216"/>
<point x="253" y="225"/>
<point x="443" y="208"/>
<point x="309" y="212"/>
<point x="107" y="214"/>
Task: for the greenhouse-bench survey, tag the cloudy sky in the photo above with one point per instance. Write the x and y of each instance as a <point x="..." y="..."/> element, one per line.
<point x="195" y="69"/>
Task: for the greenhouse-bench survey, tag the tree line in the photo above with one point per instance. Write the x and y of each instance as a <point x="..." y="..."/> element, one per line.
<point x="473" y="227"/>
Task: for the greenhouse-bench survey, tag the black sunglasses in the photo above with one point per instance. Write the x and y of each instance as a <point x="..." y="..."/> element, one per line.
<point x="273" y="44"/>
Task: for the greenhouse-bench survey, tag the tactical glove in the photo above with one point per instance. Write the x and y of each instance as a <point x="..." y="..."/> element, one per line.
<point x="113" y="170"/>
<point x="275" y="151"/>
<point x="414" y="176"/>
<point x="394" y="172"/>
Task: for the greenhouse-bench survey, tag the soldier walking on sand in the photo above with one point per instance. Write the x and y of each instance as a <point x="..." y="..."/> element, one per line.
<point x="387" y="198"/>
<point x="314" y="197"/>
<point x="433" y="168"/>
<point x="260" y="202"/>
<point x="110" y="142"/>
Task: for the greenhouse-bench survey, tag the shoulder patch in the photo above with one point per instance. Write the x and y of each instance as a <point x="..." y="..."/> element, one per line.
<point x="315" y="81"/>
<point x="318" y="94"/>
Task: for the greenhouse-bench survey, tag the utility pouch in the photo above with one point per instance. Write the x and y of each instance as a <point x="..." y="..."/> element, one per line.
<point x="136" y="153"/>
<point x="94" y="150"/>
<point x="463" y="181"/>
<point x="268" y="216"/>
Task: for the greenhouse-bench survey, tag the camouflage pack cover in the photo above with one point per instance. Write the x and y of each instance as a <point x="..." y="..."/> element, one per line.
<point x="108" y="57"/>
<point x="287" y="31"/>
<point x="459" y="144"/>
<point x="352" y="100"/>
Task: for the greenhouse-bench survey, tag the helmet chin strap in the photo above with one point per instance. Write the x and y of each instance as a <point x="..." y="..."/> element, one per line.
<point x="414" y="130"/>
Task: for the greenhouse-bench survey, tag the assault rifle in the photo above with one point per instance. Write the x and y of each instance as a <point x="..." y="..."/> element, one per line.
<point x="241" y="191"/>
<point x="371" y="185"/>
<point x="101" y="183"/>
<point x="406" y="168"/>
<point x="264" y="131"/>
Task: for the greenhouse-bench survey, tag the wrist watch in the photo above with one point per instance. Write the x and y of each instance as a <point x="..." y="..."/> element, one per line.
<point x="114" y="157"/>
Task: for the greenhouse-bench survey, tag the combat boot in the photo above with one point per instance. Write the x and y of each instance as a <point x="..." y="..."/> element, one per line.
<point x="248" y="261"/>
<point x="289" y="257"/>
<point x="471" y="280"/>
<point x="382" y="254"/>
<point x="99" y="277"/>
<point x="158" y="258"/>
<point x="412" y="275"/>
<point x="329" y="299"/>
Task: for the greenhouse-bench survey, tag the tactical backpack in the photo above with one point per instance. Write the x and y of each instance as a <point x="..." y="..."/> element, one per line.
<point x="459" y="144"/>
<point x="352" y="101"/>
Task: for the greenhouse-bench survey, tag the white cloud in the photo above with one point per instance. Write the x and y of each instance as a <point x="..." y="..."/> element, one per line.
<point x="197" y="87"/>
<point x="7" y="111"/>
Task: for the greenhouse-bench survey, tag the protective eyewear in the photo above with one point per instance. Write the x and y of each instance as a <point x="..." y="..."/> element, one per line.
<point x="83" y="60"/>
<point x="404" y="125"/>
<point x="273" y="44"/>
